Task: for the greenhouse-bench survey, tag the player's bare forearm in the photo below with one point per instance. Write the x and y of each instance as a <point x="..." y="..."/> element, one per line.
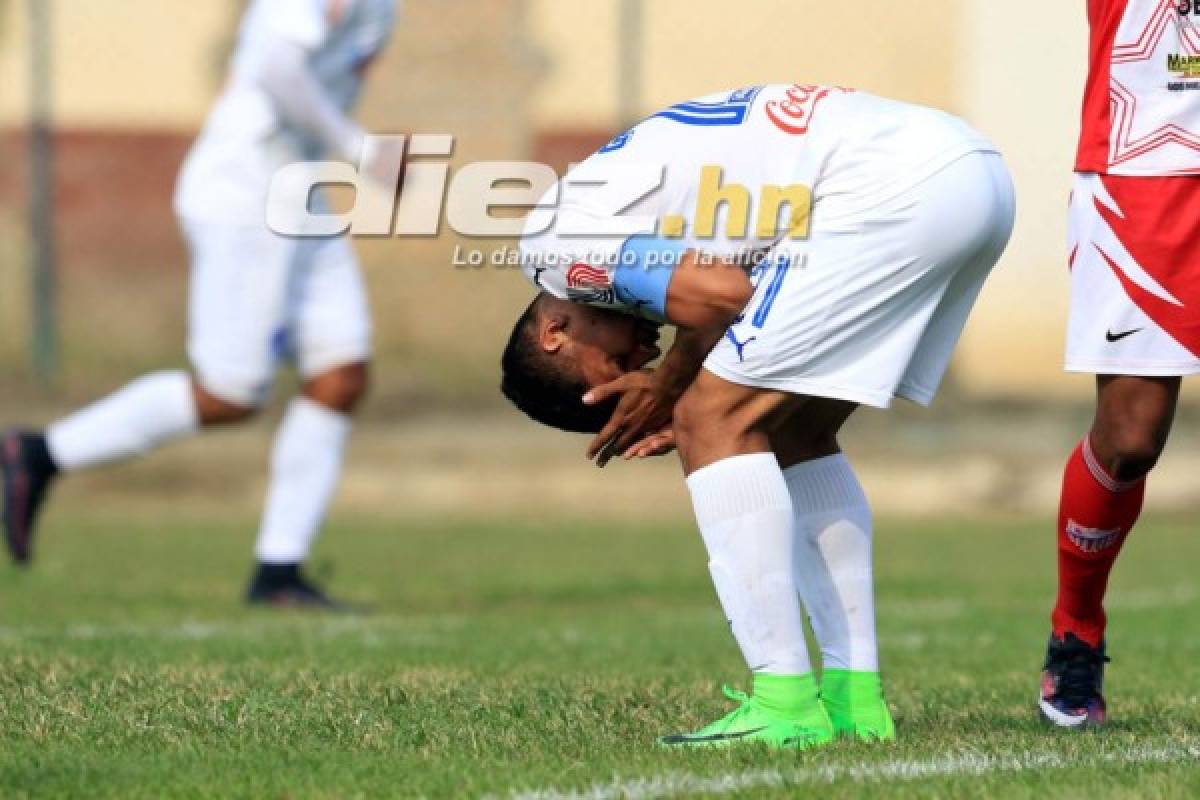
<point x="703" y="300"/>
<point x="686" y="356"/>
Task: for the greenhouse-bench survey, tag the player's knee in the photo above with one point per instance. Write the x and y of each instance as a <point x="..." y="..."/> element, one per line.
<point x="1133" y="420"/>
<point x="1132" y="450"/>
<point x="805" y="447"/>
<point x="341" y="388"/>
<point x="685" y="419"/>
<point x="699" y="421"/>
<point x="214" y="410"/>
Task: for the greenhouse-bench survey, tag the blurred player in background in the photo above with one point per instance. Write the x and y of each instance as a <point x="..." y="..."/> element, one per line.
<point x="897" y="215"/>
<point x="256" y="298"/>
<point x="1135" y="323"/>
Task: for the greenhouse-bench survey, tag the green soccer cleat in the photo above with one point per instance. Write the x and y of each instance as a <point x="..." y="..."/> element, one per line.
<point x="784" y="712"/>
<point x="854" y="701"/>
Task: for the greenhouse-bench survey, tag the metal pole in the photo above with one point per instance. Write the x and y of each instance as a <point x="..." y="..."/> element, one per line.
<point x="629" y="63"/>
<point x="44" y="333"/>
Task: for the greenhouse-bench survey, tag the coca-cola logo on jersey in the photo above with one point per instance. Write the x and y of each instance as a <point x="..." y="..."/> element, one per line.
<point x="793" y="114"/>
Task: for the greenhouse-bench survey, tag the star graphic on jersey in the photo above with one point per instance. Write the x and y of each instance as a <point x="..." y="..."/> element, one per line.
<point x="1108" y="243"/>
<point x="1128" y="65"/>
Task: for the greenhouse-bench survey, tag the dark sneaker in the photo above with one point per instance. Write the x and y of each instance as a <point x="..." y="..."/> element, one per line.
<point x="1072" y="680"/>
<point x="28" y="470"/>
<point x="285" y="586"/>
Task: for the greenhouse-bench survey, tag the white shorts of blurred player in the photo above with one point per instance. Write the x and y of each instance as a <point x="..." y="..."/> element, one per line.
<point x="1134" y="250"/>
<point x="871" y="305"/>
<point x="258" y="299"/>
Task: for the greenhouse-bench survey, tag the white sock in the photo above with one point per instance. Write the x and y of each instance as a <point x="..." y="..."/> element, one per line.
<point x="306" y="464"/>
<point x="833" y="560"/>
<point x="151" y="411"/>
<point x="745" y="516"/>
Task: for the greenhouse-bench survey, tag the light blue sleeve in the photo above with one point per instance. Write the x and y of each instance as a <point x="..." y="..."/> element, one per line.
<point x="644" y="271"/>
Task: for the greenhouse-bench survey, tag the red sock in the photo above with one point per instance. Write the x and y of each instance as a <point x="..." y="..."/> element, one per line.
<point x="1095" y="515"/>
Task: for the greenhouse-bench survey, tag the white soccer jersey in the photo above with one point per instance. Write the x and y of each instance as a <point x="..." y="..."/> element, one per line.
<point x="851" y="149"/>
<point x="246" y="137"/>
<point x="1141" y="108"/>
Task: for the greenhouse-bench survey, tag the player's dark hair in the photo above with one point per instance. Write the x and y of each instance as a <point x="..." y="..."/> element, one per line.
<point x="540" y="387"/>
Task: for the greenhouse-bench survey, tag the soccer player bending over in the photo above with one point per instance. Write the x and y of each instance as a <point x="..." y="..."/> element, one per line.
<point x="894" y="217"/>
<point x="256" y="297"/>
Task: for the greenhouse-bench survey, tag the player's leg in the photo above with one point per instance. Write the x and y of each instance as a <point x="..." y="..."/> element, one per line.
<point x="966" y="221"/>
<point x="331" y="329"/>
<point x="1104" y="485"/>
<point x="230" y="310"/>
<point x="146" y="414"/>
<point x="850" y="325"/>
<point x="1103" y="489"/>
<point x="832" y="565"/>
<point x="745" y="516"/>
<point x="142" y="416"/>
<point x="1134" y="257"/>
<point x="952" y="228"/>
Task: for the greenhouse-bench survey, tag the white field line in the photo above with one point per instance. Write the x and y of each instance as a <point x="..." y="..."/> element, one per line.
<point x="676" y="784"/>
<point x="425" y="628"/>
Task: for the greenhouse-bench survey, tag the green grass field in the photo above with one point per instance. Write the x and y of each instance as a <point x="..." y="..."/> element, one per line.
<point x="542" y="659"/>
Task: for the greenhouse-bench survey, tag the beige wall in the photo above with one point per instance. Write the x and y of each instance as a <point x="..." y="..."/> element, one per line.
<point x="1021" y="84"/>
<point x="122" y="63"/>
<point x="696" y="47"/>
<point x="134" y="63"/>
<point x="154" y="63"/>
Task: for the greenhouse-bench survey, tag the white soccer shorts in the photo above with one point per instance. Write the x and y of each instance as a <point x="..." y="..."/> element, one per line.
<point x="258" y="299"/>
<point x="871" y="306"/>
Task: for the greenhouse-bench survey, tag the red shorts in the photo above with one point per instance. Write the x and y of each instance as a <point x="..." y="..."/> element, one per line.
<point x="1135" y="275"/>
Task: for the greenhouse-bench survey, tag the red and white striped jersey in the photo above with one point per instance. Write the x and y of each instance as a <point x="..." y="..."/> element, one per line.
<point x="1141" y="107"/>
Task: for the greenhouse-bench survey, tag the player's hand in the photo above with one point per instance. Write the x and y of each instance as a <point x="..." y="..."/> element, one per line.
<point x="644" y="408"/>
<point x="656" y="444"/>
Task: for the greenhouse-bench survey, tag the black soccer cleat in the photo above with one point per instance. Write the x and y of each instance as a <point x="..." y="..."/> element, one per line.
<point x="28" y="471"/>
<point x="1072" y="681"/>
<point x="285" y="586"/>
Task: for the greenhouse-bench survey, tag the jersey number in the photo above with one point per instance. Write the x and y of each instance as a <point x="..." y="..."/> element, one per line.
<point x="730" y="111"/>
